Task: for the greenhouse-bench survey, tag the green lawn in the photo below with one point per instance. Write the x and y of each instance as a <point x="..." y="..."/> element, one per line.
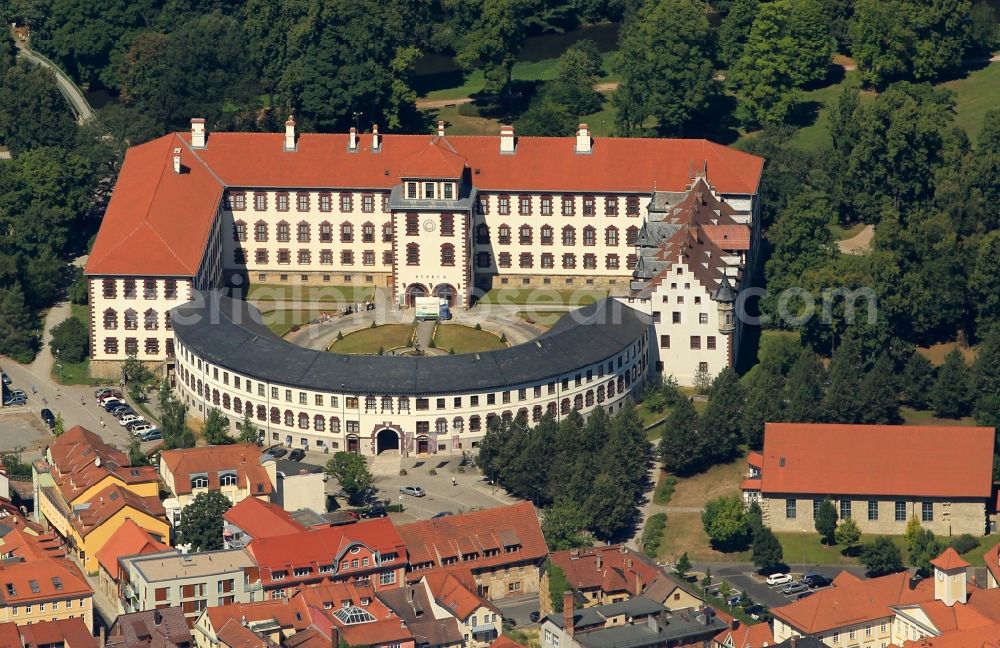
<point x="975" y="557"/>
<point x="926" y="417"/>
<point x="466" y="339"/>
<point x="844" y="233"/>
<point x="542" y="296"/>
<point x="817" y="135"/>
<point x="463" y="125"/>
<point x="75" y="373"/>
<point x="974" y="95"/>
<point x="543" y="317"/>
<point x="369" y="340"/>
<point x="265" y="293"/>
<point x="283" y="321"/>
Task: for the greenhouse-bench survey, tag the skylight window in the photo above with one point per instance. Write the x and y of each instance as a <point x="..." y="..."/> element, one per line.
<point x="57" y="583"/>
<point x="352" y="615"/>
<point x="33" y="584"/>
<point x="10" y="589"/>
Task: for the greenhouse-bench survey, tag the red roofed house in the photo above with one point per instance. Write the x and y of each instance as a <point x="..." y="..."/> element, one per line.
<point x="255" y="518"/>
<point x="600" y="575"/>
<point x="164" y="627"/>
<point x="740" y="635"/>
<point x="879" y="475"/>
<point x="191" y="210"/>
<point x="503" y="548"/>
<point x="368" y="550"/>
<point x="129" y="540"/>
<point x="234" y="469"/>
<point x="64" y="633"/>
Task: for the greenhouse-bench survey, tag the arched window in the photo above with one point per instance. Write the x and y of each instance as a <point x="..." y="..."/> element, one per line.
<point x="569" y="235"/>
<point x="536" y="413"/>
<point x="600" y="394"/>
<point x="228" y="479"/>
<point x="240" y="231"/>
<point x="131" y="320"/>
<point x="551" y="408"/>
<point x="198" y="390"/>
<point x="447" y="254"/>
<point x="303" y="421"/>
<point x="507" y="416"/>
<point x="611" y="236"/>
<point x="475" y="424"/>
<point x="215" y="397"/>
<point x="491" y="420"/>
<point x="546" y="235"/>
<point x="225" y="401"/>
<point x="590" y="397"/>
<point x="302" y="232"/>
<point x="319" y="423"/>
<point x="334" y="424"/>
<point x="631" y="235"/>
<point x="238" y="405"/>
<point x="589" y="235"/>
<point x="564" y="406"/>
<point x="275" y="415"/>
<point x="524" y="235"/>
<point x="262" y="413"/>
<point x="412" y="254"/>
<point x="149" y="319"/>
<point x="482" y="234"/>
<point x="110" y="319"/>
<point x="289" y="418"/>
<point x="523" y="413"/>
<point x="199" y="482"/>
<point x="611" y="388"/>
<point x="503" y="234"/>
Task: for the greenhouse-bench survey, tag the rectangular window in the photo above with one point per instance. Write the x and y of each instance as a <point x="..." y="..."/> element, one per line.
<point x="589" y="207"/>
<point x="872" y="510"/>
<point x="524" y="205"/>
<point x="368" y="203"/>
<point x="702" y="317"/>
<point x="927" y="512"/>
<point x="302" y="202"/>
<point x="503" y="205"/>
<point x="546" y="205"/>
<point x="632" y="206"/>
<point x="429" y="190"/>
<point x="845" y="509"/>
<point x="259" y="201"/>
<point x="282" y="201"/>
<point x="696" y="342"/>
<point x="325" y="202"/>
<point x="610" y="206"/>
<point x="710" y="342"/>
<point x="664" y="341"/>
<point x="790" y="509"/>
<point x="448" y="189"/>
<point x="346" y="203"/>
<point x="901" y="511"/>
<point x="568" y="206"/>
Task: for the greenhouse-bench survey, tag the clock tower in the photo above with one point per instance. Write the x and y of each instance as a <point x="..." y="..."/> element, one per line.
<point x="950" y="577"/>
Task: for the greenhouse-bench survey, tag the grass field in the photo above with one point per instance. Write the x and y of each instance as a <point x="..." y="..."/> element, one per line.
<point x="269" y="293"/>
<point x="542" y="297"/>
<point x="817" y="135"/>
<point x="974" y="95"/>
<point x="925" y="417"/>
<point x="282" y="321"/>
<point x="466" y="339"/>
<point x="543" y="317"/>
<point x="369" y="340"/>
<point x="844" y="233"/>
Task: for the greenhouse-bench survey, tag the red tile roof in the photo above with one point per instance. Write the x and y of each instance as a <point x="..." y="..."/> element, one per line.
<point x="429" y="541"/>
<point x="243" y="458"/>
<point x="321" y="546"/>
<point x="108" y="502"/>
<point x="456" y="591"/>
<point x="436" y="159"/>
<point x="610" y="568"/>
<point x="728" y="237"/>
<point x="81" y="459"/>
<point x="287" y="613"/>
<point x="158" y="221"/>
<point x="750" y="484"/>
<point x="260" y="519"/>
<point x="992" y="559"/>
<point x="73" y="633"/>
<point x="756" y="635"/>
<point x="503" y="641"/>
<point x="986" y="637"/>
<point x="755" y="458"/>
<point x="129" y="540"/>
<point x="909" y="460"/>
<point x="956" y="617"/>
<point x="852" y="603"/>
<point x="54" y="578"/>
<point x="948" y="560"/>
<point x="235" y="635"/>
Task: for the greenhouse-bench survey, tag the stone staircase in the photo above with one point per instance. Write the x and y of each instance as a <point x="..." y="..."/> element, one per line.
<point x="387" y="463"/>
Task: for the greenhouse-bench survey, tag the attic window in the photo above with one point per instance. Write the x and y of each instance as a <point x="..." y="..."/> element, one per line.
<point x="113" y="496"/>
<point x="781" y="462"/>
<point x="260" y="488"/>
<point x="134" y="472"/>
<point x="365" y="601"/>
<point x="57" y="583"/>
<point x="33" y="584"/>
<point x="10" y="589"/>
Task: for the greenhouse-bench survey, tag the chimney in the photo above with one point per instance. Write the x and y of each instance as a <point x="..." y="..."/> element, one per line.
<point x="334" y="636"/>
<point x="352" y="140"/>
<point x="507" y="140"/>
<point x="638" y="583"/>
<point x="290" y="134"/>
<point x="568" y="612"/>
<point x="157" y="617"/>
<point x="197" y="133"/>
<point x="440" y="128"/>
<point x="599" y="558"/>
<point x="734" y="624"/>
<point x="177" y="165"/>
<point x="583" y="141"/>
<point x="376" y="140"/>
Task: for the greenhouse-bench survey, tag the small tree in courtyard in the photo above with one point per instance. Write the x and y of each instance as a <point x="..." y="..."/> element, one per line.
<point x="201" y="521"/>
<point x="826" y="521"/>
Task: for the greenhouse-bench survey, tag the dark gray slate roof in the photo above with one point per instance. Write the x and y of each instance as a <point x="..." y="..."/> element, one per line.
<point x="230" y="334"/>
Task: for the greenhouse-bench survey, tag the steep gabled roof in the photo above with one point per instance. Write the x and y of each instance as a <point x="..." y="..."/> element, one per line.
<point x="949" y="560"/>
<point x="611" y="568"/>
<point x="211" y="461"/>
<point x="129" y="540"/>
<point x="109" y="501"/>
<point x="81" y="459"/>
<point x="260" y="519"/>
<point x="436" y="159"/>
<point x="757" y="635"/>
<point x="903" y="460"/>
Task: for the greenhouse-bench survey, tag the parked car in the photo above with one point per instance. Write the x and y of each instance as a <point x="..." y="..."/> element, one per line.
<point x="112" y="403"/>
<point x="805" y="594"/>
<point x="298" y="454"/>
<point x="534" y="616"/>
<point x="139" y="430"/>
<point x="152" y="435"/>
<point x="415" y="491"/>
<point x="121" y="412"/>
<point x="374" y="511"/>
<point x="108" y="396"/>
<point x="15" y="400"/>
<point x="779" y="579"/>
<point x="795" y="588"/>
<point x="757" y="612"/>
<point x="12" y="393"/>
<point x="441" y="515"/>
<point x="277" y="452"/>
<point x="5" y="377"/>
<point x="816" y="580"/>
<point x="48" y="417"/>
<point x="136" y="423"/>
<point x="107" y="391"/>
<point x="129" y="418"/>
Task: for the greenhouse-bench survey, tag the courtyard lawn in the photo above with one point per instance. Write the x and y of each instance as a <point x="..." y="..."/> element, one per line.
<point x="974" y="95"/>
<point x="542" y="296"/>
<point x="465" y="339"/>
<point x="975" y="557"/>
<point x="270" y="293"/>
<point x="370" y="340"/>
<point x="542" y="317"/>
<point x="281" y="322"/>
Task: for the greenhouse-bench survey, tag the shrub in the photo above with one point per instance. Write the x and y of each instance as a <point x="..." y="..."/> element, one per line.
<point x="665" y="490"/>
<point x="964" y="543"/>
<point x="468" y="109"/>
<point x="373" y="324"/>
<point x="432" y="472"/>
<point x="479" y="327"/>
<point x="394" y="508"/>
<point x="402" y="472"/>
<point x="340" y="335"/>
<point x="653" y="534"/>
<point x="71" y="340"/>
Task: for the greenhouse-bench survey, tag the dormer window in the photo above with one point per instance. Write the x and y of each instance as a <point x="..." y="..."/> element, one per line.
<point x="411" y="190"/>
<point x="429" y="190"/>
<point x="228" y="479"/>
<point x="200" y="481"/>
<point x="449" y="191"/>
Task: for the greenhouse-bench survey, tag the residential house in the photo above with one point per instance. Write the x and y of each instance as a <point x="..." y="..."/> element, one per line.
<point x="255" y="518"/>
<point x="160" y="628"/>
<point x="96" y="522"/>
<point x="192" y="581"/>
<point x="503" y="641"/>
<point x="503" y="547"/>
<point x="635" y="623"/>
<point x="431" y="625"/>
<point x="62" y="633"/>
<point x="741" y="635"/>
<point x="79" y="468"/>
<point x="235" y="470"/>
<point x="369" y="550"/>
<point x="129" y="540"/>
<point x="599" y="575"/>
<point x="299" y="485"/>
<point x="673" y="593"/>
<point x="881" y="476"/>
<point x="894" y="610"/>
<point x="270" y="621"/>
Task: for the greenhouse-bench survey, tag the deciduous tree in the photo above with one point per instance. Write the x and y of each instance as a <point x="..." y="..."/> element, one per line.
<point x="564" y="525"/>
<point x="216" y="430"/>
<point x="70" y="340"/>
<point x="767" y="552"/>
<point x="726" y="523"/>
<point x="351" y="471"/>
<point x="201" y="522"/>
<point x="848" y="534"/>
<point x="826" y="521"/>
<point x="950" y="396"/>
<point x="881" y="557"/>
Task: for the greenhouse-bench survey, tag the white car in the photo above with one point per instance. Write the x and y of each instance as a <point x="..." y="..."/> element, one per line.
<point x="139" y="430"/>
<point x="779" y="579"/>
<point x="130" y="418"/>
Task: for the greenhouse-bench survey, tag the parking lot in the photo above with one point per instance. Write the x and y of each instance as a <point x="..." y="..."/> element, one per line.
<point x="23" y="429"/>
<point x="742" y="578"/>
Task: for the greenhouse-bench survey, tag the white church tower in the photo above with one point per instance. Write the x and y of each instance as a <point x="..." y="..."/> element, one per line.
<point x="950" y="578"/>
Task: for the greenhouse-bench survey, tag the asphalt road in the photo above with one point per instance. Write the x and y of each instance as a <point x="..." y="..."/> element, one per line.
<point x="740" y="576"/>
<point x="518" y="608"/>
